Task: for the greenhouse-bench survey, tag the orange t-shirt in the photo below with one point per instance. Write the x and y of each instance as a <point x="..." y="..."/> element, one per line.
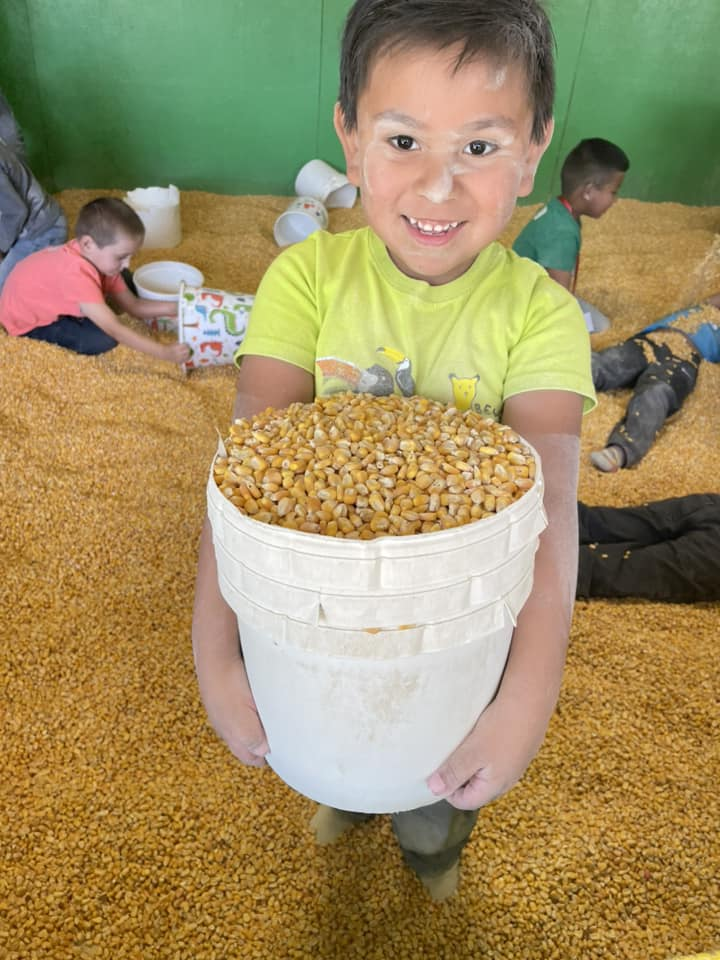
<point x="51" y="283"/>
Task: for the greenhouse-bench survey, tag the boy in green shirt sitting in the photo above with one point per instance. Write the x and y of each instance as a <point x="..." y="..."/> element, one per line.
<point x="445" y="109"/>
<point x="591" y="176"/>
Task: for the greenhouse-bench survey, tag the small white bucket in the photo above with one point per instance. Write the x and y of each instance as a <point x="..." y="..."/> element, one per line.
<point x="212" y="323"/>
<point x="370" y="661"/>
<point x="159" y="210"/>
<point x="162" y="280"/>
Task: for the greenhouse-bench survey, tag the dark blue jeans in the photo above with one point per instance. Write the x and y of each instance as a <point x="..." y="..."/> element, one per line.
<point x="660" y="387"/>
<point x="667" y="550"/>
<point x="74" y="333"/>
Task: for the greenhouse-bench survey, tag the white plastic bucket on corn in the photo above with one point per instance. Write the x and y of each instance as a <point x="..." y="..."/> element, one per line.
<point x="159" y="210"/>
<point x="162" y="280"/>
<point x="370" y="661"/>
<point x="212" y="323"/>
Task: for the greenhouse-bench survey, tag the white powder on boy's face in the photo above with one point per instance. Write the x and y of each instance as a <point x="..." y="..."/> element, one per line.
<point x="498" y="80"/>
<point x="441" y="155"/>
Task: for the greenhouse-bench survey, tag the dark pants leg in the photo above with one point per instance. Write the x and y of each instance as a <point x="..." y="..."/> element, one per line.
<point x="432" y="838"/>
<point x="668" y="550"/>
<point x="74" y="333"/>
<point x="661" y="386"/>
<point x="618" y="366"/>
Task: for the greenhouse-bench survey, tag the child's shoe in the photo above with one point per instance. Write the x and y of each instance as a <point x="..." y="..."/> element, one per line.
<point x="443" y="885"/>
<point x="609" y="460"/>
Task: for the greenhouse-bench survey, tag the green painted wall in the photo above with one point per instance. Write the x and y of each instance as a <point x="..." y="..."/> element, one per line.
<point x="232" y="96"/>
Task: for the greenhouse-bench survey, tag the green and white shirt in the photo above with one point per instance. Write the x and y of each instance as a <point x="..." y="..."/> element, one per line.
<point x="552" y="238"/>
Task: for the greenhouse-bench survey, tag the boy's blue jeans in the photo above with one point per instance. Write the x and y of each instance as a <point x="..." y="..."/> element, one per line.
<point x="660" y="387"/>
<point x="74" y="333"/>
<point x="430" y="838"/>
<point x="52" y="237"/>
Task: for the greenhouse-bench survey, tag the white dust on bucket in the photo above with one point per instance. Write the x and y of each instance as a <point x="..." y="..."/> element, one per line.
<point x="370" y="661"/>
<point x="212" y="323"/>
<point x="159" y="210"/>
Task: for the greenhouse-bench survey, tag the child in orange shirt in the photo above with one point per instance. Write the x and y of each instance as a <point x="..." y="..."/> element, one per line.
<point x="59" y="294"/>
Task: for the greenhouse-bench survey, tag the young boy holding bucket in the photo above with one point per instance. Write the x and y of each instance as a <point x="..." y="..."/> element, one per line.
<point x="60" y="294"/>
<point x="445" y="110"/>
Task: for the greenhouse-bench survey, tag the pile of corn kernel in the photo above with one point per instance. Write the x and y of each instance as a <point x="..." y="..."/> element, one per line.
<point x="359" y="467"/>
<point x="132" y="833"/>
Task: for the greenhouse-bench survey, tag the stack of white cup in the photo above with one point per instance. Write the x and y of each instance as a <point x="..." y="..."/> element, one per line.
<point x="318" y="186"/>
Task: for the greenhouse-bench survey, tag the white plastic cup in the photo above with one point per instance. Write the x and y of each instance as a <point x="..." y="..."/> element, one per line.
<point x="318" y="179"/>
<point x="304" y="216"/>
<point x="159" y="210"/>
<point x="162" y="280"/>
<point x="212" y="323"/>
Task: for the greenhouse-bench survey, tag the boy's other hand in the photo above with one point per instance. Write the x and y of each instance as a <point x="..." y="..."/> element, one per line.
<point x="176" y="352"/>
<point x="491" y="759"/>
<point x="233" y="714"/>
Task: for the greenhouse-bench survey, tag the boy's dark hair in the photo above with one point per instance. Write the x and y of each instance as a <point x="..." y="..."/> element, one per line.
<point x="104" y="218"/>
<point x="506" y="31"/>
<point x="592" y="161"/>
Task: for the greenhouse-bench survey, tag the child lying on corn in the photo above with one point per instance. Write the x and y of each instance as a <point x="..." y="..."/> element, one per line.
<point x="660" y="363"/>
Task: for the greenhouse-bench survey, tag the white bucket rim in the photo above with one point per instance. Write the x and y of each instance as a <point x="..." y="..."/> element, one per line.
<point x="338" y="607"/>
<point x="185" y="272"/>
<point x="409" y="640"/>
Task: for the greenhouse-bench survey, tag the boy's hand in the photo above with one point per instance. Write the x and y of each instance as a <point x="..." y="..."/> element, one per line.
<point x="176" y="352"/>
<point x="492" y="758"/>
<point x="233" y="714"/>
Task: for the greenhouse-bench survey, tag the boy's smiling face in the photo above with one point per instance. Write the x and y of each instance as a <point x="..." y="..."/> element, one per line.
<point x="440" y="156"/>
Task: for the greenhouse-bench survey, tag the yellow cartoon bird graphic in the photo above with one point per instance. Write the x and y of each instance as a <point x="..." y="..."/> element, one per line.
<point x="403" y="372"/>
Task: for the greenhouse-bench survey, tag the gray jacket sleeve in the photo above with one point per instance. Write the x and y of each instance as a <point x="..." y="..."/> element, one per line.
<point x="10" y="132"/>
<point x="13" y="213"/>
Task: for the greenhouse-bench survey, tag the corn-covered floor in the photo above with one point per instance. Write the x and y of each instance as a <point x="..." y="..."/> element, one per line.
<point x="128" y="830"/>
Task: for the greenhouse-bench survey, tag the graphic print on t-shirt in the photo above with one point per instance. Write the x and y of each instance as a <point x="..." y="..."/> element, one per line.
<point x="381" y="382"/>
<point x="463" y="389"/>
<point x="375" y="379"/>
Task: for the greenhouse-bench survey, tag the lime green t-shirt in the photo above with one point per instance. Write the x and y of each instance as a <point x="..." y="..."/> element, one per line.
<point x="337" y="306"/>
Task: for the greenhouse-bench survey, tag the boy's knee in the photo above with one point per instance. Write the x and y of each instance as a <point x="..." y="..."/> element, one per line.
<point x="95" y="341"/>
<point x="600" y="368"/>
<point x="659" y="398"/>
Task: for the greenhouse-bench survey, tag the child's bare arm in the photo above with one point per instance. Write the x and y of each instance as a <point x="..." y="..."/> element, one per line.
<point x="224" y="688"/>
<point x="103" y="317"/>
<point x="714" y="301"/>
<point x="510" y="731"/>
<point x="127" y="302"/>
<point x="563" y="277"/>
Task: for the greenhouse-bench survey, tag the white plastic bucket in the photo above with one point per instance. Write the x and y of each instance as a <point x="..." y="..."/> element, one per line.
<point x="370" y="661"/>
<point x="162" y="280"/>
<point x="212" y="323"/>
<point x="159" y="210"/>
